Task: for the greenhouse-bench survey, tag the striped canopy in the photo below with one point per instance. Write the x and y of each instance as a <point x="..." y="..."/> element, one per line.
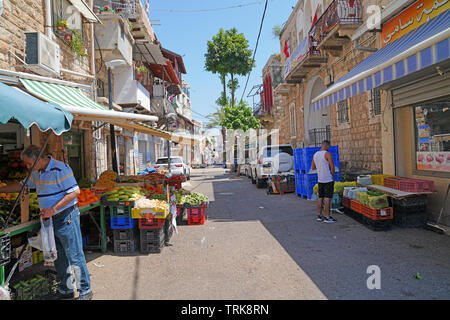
<point x="21" y="106"/>
<point x="62" y="95"/>
<point x="425" y="46"/>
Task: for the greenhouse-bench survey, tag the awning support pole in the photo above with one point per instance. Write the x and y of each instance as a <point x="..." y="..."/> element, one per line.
<point x="111" y="128"/>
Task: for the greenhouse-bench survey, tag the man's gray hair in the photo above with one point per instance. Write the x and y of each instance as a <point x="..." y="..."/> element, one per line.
<point x="32" y="152"/>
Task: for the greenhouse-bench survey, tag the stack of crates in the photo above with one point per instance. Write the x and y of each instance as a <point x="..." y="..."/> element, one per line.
<point x="124" y="229"/>
<point x="305" y="180"/>
<point x="410" y="212"/>
<point x="151" y="234"/>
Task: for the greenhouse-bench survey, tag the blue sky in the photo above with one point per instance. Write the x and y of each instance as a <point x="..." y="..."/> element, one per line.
<point x="187" y="34"/>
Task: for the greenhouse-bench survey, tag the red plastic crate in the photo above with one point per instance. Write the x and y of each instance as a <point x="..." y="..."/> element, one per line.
<point x="179" y="210"/>
<point x="356" y="206"/>
<point x="392" y="182"/>
<point x="416" y="185"/>
<point x="196" y="211"/>
<point x="196" y="220"/>
<point x="378" y="214"/>
<point x="346" y="202"/>
<point x="151" y="223"/>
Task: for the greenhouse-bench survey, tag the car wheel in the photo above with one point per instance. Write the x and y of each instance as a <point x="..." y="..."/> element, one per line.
<point x="253" y="179"/>
<point x="260" y="183"/>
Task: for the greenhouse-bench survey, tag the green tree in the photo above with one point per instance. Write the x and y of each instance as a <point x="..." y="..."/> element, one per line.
<point x="239" y="117"/>
<point x="228" y="54"/>
<point x="276" y="31"/>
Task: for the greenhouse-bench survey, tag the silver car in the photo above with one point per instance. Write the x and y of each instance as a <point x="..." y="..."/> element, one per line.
<point x="177" y="166"/>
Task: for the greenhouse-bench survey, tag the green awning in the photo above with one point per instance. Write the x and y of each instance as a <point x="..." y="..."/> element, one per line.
<point x="65" y="96"/>
<point x="19" y="105"/>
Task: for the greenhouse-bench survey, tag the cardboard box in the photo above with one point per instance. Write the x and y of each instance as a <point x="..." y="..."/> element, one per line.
<point x="27" y="257"/>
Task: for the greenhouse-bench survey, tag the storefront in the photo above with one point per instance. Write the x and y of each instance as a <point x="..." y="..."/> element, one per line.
<point x="413" y="70"/>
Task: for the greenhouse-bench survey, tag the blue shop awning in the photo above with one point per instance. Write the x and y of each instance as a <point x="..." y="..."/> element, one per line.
<point x="28" y="110"/>
<point x="425" y="46"/>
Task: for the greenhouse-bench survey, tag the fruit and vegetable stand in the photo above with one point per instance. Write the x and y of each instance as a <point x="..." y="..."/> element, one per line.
<point x="35" y="225"/>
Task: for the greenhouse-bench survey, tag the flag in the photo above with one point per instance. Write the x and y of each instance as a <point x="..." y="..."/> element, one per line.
<point x="286" y="49"/>
<point x="315" y="17"/>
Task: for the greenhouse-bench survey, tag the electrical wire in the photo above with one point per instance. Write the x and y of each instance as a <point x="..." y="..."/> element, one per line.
<point x="256" y="47"/>
<point x="208" y="10"/>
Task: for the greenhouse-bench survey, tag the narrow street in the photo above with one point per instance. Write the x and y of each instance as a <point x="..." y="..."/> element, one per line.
<point x="259" y="246"/>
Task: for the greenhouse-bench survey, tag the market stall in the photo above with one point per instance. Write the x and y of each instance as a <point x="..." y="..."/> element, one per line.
<point x="22" y="112"/>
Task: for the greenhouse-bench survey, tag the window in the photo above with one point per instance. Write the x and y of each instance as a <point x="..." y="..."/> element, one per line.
<point x="63" y="10"/>
<point x="342" y="109"/>
<point x="432" y="127"/>
<point x="375" y="102"/>
<point x="271" y="152"/>
<point x="293" y="122"/>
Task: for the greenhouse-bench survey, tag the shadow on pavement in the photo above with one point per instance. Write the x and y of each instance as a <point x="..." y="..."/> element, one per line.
<point x="336" y="256"/>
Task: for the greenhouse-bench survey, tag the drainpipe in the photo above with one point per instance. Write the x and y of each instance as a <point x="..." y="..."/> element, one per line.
<point x="48" y="18"/>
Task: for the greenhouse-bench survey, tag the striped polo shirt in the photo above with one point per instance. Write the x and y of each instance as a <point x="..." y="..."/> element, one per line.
<point x="53" y="184"/>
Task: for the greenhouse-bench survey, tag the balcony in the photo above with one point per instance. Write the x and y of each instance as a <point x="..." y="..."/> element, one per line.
<point x="304" y="59"/>
<point x="114" y="38"/>
<point x="128" y="92"/>
<point x="336" y="26"/>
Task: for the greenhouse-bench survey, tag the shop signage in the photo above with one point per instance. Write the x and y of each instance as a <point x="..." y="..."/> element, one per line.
<point x="411" y="18"/>
<point x="435" y="161"/>
<point x="299" y="54"/>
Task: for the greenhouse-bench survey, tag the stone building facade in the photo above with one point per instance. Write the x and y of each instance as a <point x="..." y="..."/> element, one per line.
<point x="355" y="126"/>
<point x="21" y="16"/>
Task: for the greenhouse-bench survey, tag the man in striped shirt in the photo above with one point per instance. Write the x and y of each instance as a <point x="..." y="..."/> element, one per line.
<point x="57" y="192"/>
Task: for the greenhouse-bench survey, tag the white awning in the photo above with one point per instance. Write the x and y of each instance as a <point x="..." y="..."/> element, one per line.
<point x="85" y="10"/>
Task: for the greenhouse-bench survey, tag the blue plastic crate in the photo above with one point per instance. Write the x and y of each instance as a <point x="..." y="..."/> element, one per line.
<point x="308" y="154"/>
<point x="337" y="176"/>
<point x="299" y="183"/>
<point x="298" y="159"/>
<point x="123" y="223"/>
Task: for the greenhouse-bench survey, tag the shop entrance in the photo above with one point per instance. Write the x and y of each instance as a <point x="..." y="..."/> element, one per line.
<point x="73" y="144"/>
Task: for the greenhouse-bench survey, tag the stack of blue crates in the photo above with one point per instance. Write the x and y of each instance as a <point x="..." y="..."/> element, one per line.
<point x="304" y="179"/>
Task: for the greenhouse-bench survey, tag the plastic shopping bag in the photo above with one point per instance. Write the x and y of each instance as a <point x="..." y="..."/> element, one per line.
<point x="48" y="241"/>
<point x="36" y="241"/>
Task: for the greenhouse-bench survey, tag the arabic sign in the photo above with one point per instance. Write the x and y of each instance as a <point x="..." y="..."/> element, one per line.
<point x="411" y="18"/>
<point x="299" y="54"/>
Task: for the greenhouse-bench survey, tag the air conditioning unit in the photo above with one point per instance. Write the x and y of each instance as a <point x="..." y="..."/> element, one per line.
<point x="42" y="54"/>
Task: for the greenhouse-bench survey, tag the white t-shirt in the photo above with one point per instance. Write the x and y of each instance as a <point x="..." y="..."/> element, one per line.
<point x="323" y="167"/>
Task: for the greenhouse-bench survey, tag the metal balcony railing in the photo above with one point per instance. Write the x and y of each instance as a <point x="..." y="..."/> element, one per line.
<point x="340" y="12"/>
<point x="316" y="136"/>
<point x="125" y="8"/>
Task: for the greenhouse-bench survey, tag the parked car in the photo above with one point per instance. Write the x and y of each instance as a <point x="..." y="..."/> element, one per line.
<point x="272" y="159"/>
<point x="177" y="166"/>
<point x="245" y="169"/>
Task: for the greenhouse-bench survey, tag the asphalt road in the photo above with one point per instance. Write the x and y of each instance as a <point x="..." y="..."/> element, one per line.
<point x="258" y="246"/>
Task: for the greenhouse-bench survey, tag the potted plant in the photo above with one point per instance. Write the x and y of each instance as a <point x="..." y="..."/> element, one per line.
<point x="76" y="44"/>
<point x="61" y="25"/>
<point x="140" y="72"/>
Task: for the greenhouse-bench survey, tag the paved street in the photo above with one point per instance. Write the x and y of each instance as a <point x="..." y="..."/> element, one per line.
<point x="259" y="246"/>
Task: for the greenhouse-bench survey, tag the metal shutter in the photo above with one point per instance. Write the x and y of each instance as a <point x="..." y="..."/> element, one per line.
<point x="421" y="91"/>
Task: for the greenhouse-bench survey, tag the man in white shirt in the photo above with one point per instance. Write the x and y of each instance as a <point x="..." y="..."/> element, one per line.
<point x="323" y="163"/>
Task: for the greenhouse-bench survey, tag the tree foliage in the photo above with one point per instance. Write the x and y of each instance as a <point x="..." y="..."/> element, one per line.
<point x="239" y="117"/>
<point x="228" y="53"/>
